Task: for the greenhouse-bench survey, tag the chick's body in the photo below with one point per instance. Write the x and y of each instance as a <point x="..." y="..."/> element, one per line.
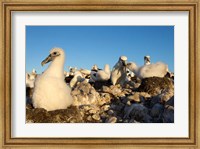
<point x="51" y="92"/>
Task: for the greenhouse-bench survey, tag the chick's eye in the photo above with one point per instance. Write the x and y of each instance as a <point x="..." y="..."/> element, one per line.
<point x="54" y="53"/>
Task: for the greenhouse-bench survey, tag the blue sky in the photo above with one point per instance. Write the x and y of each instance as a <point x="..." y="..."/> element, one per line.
<point x="88" y="45"/>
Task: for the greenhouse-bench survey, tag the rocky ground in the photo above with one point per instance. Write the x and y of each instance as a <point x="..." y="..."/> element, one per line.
<point x="148" y="101"/>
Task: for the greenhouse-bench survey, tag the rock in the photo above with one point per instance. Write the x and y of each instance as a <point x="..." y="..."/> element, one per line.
<point x="99" y="84"/>
<point x="135" y="97"/>
<point x="117" y="107"/>
<point x="85" y="107"/>
<point x="89" y="118"/>
<point x="29" y="121"/>
<point x="155" y="85"/>
<point x="126" y="121"/>
<point x="128" y="103"/>
<point x="119" y="119"/>
<point x="85" y="94"/>
<point x="136" y="85"/>
<point x="115" y="90"/>
<point x="105" y="98"/>
<point x="168" y="115"/>
<point x="126" y="91"/>
<point x="38" y="115"/>
<point x="154" y="100"/>
<point x="136" y="79"/>
<point x="167" y="94"/>
<point x="138" y="112"/>
<point x="110" y="112"/>
<point x="124" y="100"/>
<point x="170" y="102"/>
<point x="138" y="96"/>
<point x="96" y="117"/>
<point x="105" y="107"/>
<point x="112" y="120"/>
<point x="104" y="115"/>
<point x="145" y="95"/>
<point x="157" y="110"/>
<point x="106" y="89"/>
<point x="92" y="111"/>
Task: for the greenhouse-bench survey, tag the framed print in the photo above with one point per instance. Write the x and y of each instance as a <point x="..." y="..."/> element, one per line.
<point x="101" y="73"/>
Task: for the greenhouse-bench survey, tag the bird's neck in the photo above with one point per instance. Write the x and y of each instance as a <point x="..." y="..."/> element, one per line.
<point x="134" y="69"/>
<point x="56" y="68"/>
<point x="107" y="69"/>
<point x="147" y="62"/>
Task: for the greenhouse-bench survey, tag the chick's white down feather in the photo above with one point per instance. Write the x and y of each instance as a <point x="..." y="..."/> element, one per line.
<point x="78" y="77"/>
<point x="51" y="92"/>
<point x="118" y="74"/>
<point x="158" y="69"/>
<point x="147" y="60"/>
<point x="30" y="79"/>
<point x="102" y="75"/>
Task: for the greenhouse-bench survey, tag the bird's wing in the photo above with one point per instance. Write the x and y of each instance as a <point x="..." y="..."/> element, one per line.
<point x="85" y="71"/>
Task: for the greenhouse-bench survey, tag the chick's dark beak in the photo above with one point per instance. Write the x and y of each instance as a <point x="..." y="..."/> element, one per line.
<point x="147" y="59"/>
<point x="46" y="60"/>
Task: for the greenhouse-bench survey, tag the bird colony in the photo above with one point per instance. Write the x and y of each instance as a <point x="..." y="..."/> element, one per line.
<point x="127" y="93"/>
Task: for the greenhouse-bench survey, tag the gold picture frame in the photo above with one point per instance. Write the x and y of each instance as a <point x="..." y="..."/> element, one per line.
<point x="192" y="6"/>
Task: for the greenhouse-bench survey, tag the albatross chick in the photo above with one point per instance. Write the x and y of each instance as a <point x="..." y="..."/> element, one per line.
<point x="51" y="92"/>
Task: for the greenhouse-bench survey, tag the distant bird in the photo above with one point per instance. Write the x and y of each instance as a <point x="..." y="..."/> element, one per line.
<point x="129" y="74"/>
<point x="30" y="78"/>
<point x="29" y="81"/>
<point x="158" y="69"/>
<point x="85" y="72"/>
<point x="34" y="71"/>
<point x="66" y="74"/>
<point x="118" y="74"/>
<point x="33" y="74"/>
<point x="78" y="77"/>
<point x="147" y="60"/>
<point x="72" y="70"/>
<point x="101" y="75"/>
<point x="170" y="75"/>
<point x="51" y="92"/>
<point x="95" y="68"/>
<point x="69" y="75"/>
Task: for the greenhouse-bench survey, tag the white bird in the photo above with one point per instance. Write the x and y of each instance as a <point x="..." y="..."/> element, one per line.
<point x="118" y="74"/>
<point x="147" y="60"/>
<point x="158" y="69"/>
<point x="34" y="71"/>
<point x="72" y="70"/>
<point x="129" y="74"/>
<point x="51" y="92"/>
<point x="78" y="77"/>
<point x="102" y="75"/>
<point x="85" y="72"/>
<point x="29" y="81"/>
